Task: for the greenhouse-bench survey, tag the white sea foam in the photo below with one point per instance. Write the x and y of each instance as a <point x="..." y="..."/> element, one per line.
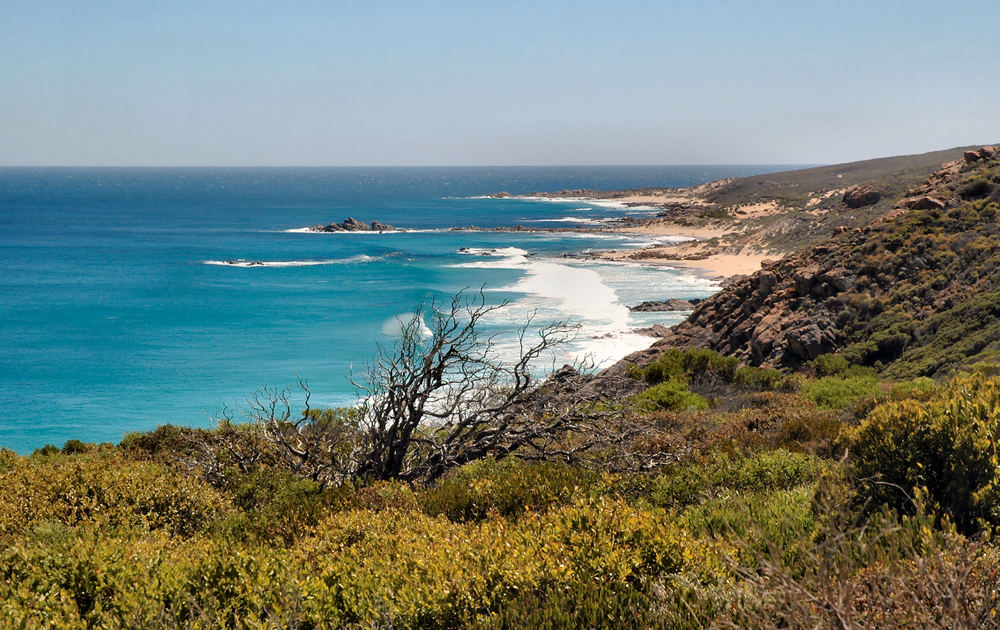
<point x="500" y="252"/>
<point x="309" y="230"/>
<point x="573" y="293"/>
<point x="240" y="262"/>
<point x="396" y="325"/>
<point x="611" y="204"/>
<point x="579" y="220"/>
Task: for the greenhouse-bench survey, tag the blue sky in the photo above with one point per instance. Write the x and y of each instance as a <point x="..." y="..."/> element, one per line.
<point x="453" y="83"/>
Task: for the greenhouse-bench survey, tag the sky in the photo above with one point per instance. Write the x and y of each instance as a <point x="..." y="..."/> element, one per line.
<point x="338" y="82"/>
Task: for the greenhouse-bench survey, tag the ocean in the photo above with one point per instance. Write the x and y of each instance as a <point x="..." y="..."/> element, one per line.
<point x="117" y="312"/>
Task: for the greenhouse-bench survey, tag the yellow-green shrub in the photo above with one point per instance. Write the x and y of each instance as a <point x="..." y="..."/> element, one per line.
<point x="508" y="487"/>
<point x="946" y="444"/>
<point x="368" y="567"/>
<point x="720" y="473"/>
<point x="105" y="489"/>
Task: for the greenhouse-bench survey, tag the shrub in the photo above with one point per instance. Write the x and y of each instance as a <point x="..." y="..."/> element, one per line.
<point x="833" y="392"/>
<point x="760" y="379"/>
<point x="162" y="443"/>
<point x="817" y="433"/>
<point x="727" y="473"/>
<point x="946" y="445"/>
<point x="509" y="488"/>
<point x="74" y="447"/>
<point x="976" y="189"/>
<point x="829" y="365"/>
<point x="755" y="522"/>
<point x="672" y="396"/>
<point x="277" y="506"/>
<point x="920" y="388"/>
<point x="8" y="459"/>
<point x="371" y="568"/>
<point x="104" y="489"/>
<point x="684" y="365"/>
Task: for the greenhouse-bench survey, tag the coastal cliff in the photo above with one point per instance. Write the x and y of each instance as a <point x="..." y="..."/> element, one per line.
<point x="912" y="293"/>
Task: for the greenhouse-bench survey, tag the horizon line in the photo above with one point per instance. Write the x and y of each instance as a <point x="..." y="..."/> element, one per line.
<point x="698" y="164"/>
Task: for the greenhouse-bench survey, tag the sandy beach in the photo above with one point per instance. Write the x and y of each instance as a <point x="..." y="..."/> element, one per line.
<point x="693" y="256"/>
<point x="708" y="254"/>
<point x="718" y="249"/>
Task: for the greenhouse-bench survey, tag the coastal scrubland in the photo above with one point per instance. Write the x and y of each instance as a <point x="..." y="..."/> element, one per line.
<point x="819" y="448"/>
<point x="790" y="500"/>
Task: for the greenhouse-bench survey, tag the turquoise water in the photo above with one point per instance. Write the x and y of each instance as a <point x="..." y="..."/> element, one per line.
<point x="114" y="319"/>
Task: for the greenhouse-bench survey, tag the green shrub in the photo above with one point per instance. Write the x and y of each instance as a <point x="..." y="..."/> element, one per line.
<point x="920" y="388"/>
<point x="509" y="488"/>
<point x="946" y="445"/>
<point x="685" y="365"/>
<point x="163" y="442"/>
<point x="721" y="472"/>
<point x="976" y="189"/>
<point x="829" y="365"/>
<point x="75" y="447"/>
<point x="760" y="379"/>
<point x="277" y="506"/>
<point x="755" y="522"/>
<point x="8" y="459"/>
<point x="369" y="568"/>
<point x="833" y="392"/>
<point x="672" y="396"/>
<point x="104" y="489"/>
<point x="579" y="605"/>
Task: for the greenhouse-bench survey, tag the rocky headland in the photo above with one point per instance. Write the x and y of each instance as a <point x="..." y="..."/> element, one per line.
<point x="915" y="289"/>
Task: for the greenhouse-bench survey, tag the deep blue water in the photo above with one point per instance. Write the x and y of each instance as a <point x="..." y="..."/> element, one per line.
<point x="111" y="321"/>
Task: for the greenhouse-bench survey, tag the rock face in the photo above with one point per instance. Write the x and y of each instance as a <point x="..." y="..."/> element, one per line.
<point x="350" y="224"/>
<point x="672" y="304"/>
<point x="861" y="196"/>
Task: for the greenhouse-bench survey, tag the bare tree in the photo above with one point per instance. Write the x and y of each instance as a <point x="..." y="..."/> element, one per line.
<point x="442" y="398"/>
<point x="444" y="395"/>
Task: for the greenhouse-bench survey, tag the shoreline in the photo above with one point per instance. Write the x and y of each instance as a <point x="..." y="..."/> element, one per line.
<point x="714" y="247"/>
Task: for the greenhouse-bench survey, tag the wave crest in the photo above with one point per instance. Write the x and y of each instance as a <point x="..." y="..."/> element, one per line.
<point x="240" y="262"/>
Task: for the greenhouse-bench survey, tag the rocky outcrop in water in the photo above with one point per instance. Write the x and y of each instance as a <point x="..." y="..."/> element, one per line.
<point x="350" y="224"/>
<point x="672" y="304"/>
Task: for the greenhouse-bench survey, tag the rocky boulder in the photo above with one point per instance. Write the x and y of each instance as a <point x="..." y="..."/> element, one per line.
<point x="926" y="203"/>
<point x="861" y="196"/>
<point x="987" y="152"/>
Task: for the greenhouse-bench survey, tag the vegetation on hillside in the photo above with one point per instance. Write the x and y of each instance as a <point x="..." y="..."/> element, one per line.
<point x="775" y="509"/>
<point x="913" y="294"/>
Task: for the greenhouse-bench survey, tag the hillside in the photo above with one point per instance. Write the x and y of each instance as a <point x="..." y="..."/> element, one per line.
<point x="778" y="213"/>
<point x="914" y="293"/>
